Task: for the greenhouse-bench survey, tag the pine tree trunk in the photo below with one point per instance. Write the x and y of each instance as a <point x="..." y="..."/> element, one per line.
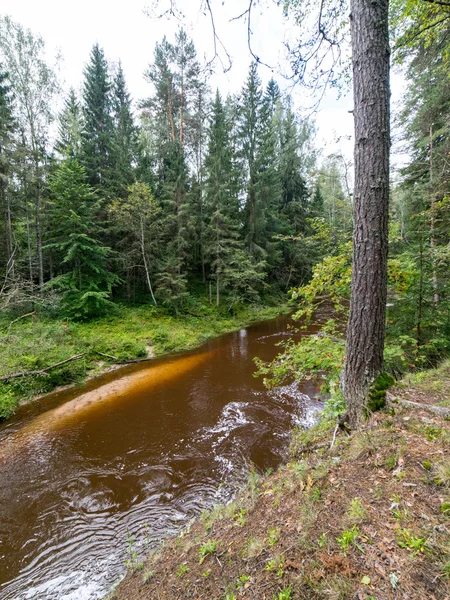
<point x="170" y="110"/>
<point x="366" y="327"/>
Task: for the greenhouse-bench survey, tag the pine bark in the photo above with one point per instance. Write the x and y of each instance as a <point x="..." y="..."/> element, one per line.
<point x="366" y="327"/>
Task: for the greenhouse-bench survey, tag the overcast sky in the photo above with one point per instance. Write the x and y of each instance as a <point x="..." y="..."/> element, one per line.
<point x="126" y="33"/>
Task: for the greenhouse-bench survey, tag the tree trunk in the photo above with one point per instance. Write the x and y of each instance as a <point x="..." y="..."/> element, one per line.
<point x="366" y="327"/>
<point x="170" y="110"/>
<point x="144" y="258"/>
<point x="432" y="225"/>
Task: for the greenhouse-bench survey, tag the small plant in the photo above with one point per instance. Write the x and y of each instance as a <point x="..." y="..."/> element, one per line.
<point x="348" y="537"/>
<point x="253" y="481"/>
<point x="208" y="547"/>
<point x="239" y="517"/>
<point x="390" y="462"/>
<point x="276" y="564"/>
<point x="206" y="574"/>
<point x="274" y="536"/>
<point x="243" y="583"/>
<point x="393" y="578"/>
<point x="401" y="514"/>
<point x="284" y="594"/>
<point x="182" y="570"/>
<point x="147" y="576"/>
<point x="432" y="433"/>
<point x="132" y="562"/>
<point x="446" y="570"/>
<point x="410" y="541"/>
<point x="356" y="513"/>
<point x="316" y="494"/>
<point x="322" y="540"/>
<point x="445" y="508"/>
<point x="426" y="465"/>
<point x="443" y="473"/>
<point x="230" y="596"/>
<point x="253" y="547"/>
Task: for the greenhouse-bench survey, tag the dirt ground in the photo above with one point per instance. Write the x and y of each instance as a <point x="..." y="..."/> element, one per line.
<point x="365" y="519"/>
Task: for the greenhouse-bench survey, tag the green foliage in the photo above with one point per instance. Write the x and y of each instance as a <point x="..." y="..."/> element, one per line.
<point x="407" y="539"/>
<point x="348" y="538"/>
<point x="8" y="401"/>
<point x="207" y="548"/>
<point x="284" y="594"/>
<point x="86" y="282"/>
<point x="318" y="357"/>
<point x="97" y="136"/>
<point x="182" y="570"/>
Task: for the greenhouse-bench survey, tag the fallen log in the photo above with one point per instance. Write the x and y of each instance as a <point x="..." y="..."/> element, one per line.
<point x="437" y="410"/>
<point x="42" y="371"/>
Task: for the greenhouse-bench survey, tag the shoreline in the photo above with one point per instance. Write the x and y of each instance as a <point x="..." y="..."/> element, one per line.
<point x="357" y="516"/>
<point x="193" y="332"/>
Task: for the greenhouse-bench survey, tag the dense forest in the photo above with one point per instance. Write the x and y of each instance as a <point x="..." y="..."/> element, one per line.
<point x="192" y="192"/>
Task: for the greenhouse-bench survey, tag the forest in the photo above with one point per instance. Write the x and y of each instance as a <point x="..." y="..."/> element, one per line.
<point x="190" y="199"/>
<point x="195" y="192"/>
<point x="305" y="454"/>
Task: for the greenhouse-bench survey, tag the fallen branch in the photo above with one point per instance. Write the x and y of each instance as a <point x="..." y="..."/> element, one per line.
<point x="31" y="314"/>
<point x="105" y="355"/>
<point x="42" y="371"/>
<point x="334" y="436"/>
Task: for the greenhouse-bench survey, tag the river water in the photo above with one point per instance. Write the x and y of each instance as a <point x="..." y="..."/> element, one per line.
<point x="136" y="454"/>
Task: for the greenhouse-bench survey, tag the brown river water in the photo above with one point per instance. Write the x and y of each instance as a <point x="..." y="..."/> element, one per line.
<point x="137" y="452"/>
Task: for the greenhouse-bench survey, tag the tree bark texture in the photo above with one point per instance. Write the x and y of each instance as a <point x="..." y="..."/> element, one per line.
<point x="366" y="327"/>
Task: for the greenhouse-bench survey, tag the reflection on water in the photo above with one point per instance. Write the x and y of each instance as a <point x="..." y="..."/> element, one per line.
<point x="139" y="451"/>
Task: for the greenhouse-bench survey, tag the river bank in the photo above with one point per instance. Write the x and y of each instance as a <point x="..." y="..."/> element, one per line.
<point x="36" y="342"/>
<point x="364" y="516"/>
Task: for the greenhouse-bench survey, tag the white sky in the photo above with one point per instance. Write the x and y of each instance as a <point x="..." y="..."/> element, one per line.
<point x="126" y="33"/>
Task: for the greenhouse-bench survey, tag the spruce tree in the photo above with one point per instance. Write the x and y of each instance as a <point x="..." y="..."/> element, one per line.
<point x="230" y="264"/>
<point x="70" y="127"/>
<point x="250" y="139"/>
<point x="84" y="278"/>
<point x="125" y="139"/>
<point x="98" y="131"/>
<point x="268" y="183"/>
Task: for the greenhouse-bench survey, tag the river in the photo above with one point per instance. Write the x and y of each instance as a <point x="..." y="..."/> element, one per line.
<point x="136" y="453"/>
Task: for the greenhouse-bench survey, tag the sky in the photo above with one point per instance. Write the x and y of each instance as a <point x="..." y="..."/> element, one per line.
<point x="128" y="32"/>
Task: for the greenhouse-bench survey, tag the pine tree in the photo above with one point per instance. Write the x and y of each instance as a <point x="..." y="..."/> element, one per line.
<point x="70" y="127"/>
<point x="84" y="277"/>
<point x="97" y="136"/>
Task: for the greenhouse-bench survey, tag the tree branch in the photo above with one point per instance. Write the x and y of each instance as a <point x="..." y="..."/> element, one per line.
<point x="439" y="2"/>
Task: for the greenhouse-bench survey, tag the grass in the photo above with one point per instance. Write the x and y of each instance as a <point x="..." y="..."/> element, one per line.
<point x="134" y="332"/>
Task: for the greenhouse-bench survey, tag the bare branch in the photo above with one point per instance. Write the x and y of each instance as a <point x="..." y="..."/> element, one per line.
<point x="217" y="40"/>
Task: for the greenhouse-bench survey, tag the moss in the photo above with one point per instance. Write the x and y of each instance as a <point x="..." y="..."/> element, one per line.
<point x="377" y="392"/>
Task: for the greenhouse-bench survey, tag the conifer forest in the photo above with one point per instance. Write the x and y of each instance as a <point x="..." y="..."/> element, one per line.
<point x="212" y="305"/>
